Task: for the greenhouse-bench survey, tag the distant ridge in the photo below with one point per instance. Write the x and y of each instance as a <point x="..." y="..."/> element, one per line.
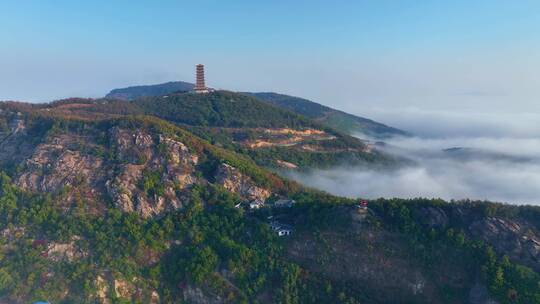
<point x="339" y="120"/>
<point x="333" y="118"/>
<point x="135" y="92"/>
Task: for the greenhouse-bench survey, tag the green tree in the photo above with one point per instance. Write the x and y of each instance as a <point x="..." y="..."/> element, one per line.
<point x="202" y="263"/>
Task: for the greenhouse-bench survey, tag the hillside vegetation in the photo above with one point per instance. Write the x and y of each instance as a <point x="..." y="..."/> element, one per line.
<point x="135" y="92"/>
<point x="269" y="135"/>
<point x="339" y="120"/>
<point x="235" y="120"/>
<point x="101" y="203"/>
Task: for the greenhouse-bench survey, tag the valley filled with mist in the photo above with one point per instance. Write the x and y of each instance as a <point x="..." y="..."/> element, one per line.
<point x="454" y="156"/>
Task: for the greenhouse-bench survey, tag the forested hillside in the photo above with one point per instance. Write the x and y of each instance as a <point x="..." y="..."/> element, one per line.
<point x="135" y="92"/>
<point x="271" y="136"/>
<point x="267" y="133"/>
<point x="339" y="120"/>
<point x="99" y="205"/>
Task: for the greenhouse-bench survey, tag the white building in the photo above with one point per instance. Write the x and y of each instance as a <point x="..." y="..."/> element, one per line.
<point x="284" y="203"/>
<point x="281" y="229"/>
<point x="284" y="231"/>
<point x="256" y="204"/>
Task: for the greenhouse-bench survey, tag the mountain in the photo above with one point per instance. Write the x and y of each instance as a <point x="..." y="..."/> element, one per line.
<point x="272" y="136"/>
<point x="339" y="120"/>
<point x="220" y="109"/>
<point x="104" y="201"/>
<point x="134" y="92"/>
<point x="336" y="119"/>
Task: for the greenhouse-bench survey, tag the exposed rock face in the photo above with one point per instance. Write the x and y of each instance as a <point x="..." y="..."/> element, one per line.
<point x="108" y="287"/>
<point x="179" y="165"/>
<point x="433" y="217"/>
<point x="59" y="163"/>
<point x="69" y="160"/>
<point x="517" y="240"/>
<point x="18" y="126"/>
<point x="123" y="289"/>
<point x="124" y="187"/>
<point x="138" y="170"/>
<point x="53" y="166"/>
<point x="515" y="237"/>
<point x="231" y="179"/>
<point x="15" y="144"/>
<point x="196" y="295"/>
<point x="173" y="161"/>
<point x="65" y="251"/>
<point x="132" y="146"/>
<point x="102" y="290"/>
<point x="480" y="295"/>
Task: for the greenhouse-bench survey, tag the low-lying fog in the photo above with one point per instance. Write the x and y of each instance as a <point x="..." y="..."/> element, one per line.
<point x="495" y="163"/>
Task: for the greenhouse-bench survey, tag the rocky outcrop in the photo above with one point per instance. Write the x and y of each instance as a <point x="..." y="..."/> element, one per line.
<point x="123" y="289"/>
<point x="54" y="166"/>
<point x="179" y="162"/>
<point x="233" y="180"/>
<point x="517" y="240"/>
<point x="134" y="169"/>
<point x="102" y="290"/>
<point x="194" y="294"/>
<point x="125" y="189"/>
<point x="432" y="217"/>
<point x="61" y="163"/>
<point x="137" y="169"/>
<point x="512" y="236"/>
<point x="132" y="146"/>
<point x="109" y="287"/>
<point x="171" y="159"/>
<point x="70" y="161"/>
<point x="65" y="251"/>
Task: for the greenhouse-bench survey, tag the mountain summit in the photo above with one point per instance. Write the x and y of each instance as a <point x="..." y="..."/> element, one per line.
<point x="336" y="119"/>
<point x="134" y="92"/>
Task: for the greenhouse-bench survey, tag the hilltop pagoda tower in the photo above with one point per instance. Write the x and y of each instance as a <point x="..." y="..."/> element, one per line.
<point x="200" y="86"/>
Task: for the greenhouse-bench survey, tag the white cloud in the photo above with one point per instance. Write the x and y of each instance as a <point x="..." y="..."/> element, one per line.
<point x="461" y="123"/>
<point x="503" y="182"/>
<point x="495" y="169"/>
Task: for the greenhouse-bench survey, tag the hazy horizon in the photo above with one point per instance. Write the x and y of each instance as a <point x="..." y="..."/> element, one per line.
<point x="364" y="57"/>
<point x="456" y="74"/>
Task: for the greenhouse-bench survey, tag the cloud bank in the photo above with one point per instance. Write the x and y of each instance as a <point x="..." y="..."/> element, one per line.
<point x="467" y="121"/>
<point x="501" y="163"/>
<point x="435" y="178"/>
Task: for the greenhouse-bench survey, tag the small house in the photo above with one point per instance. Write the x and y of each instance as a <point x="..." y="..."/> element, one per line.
<point x="281" y="229"/>
<point x="280" y="203"/>
<point x="284" y="231"/>
<point x="256" y="204"/>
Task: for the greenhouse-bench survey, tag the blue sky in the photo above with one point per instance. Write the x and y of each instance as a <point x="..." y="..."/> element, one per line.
<point x="361" y="56"/>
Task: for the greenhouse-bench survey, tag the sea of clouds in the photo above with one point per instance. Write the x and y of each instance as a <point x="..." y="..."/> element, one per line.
<point x="499" y="160"/>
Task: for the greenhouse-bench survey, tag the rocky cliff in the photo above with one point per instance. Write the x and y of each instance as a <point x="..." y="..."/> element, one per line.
<point x="136" y="169"/>
<point x="110" y="208"/>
